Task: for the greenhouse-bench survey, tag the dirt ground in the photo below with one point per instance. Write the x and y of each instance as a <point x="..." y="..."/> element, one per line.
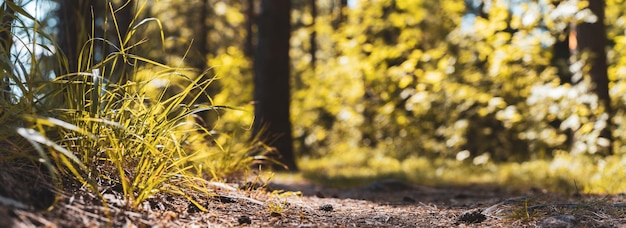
<point x="289" y="203"/>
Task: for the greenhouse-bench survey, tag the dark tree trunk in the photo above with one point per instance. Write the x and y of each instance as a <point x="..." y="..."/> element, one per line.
<point x="124" y="14"/>
<point x="201" y="43"/>
<point x="560" y="58"/>
<point x="7" y="17"/>
<point x="341" y="17"/>
<point x="68" y="38"/>
<point x="591" y="37"/>
<point x="313" y="35"/>
<point x="271" y="80"/>
<point x="6" y="41"/>
<point x="199" y="62"/>
<point x="74" y="28"/>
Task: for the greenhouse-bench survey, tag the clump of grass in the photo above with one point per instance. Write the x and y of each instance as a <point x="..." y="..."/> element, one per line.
<point x="277" y="208"/>
<point x="279" y="204"/>
<point x="522" y="211"/>
<point x="105" y="134"/>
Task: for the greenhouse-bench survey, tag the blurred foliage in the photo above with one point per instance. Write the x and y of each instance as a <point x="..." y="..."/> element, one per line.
<point x="413" y="78"/>
<point x="405" y="78"/>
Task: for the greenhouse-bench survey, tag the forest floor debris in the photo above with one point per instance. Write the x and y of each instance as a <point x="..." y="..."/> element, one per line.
<point x="289" y="203"/>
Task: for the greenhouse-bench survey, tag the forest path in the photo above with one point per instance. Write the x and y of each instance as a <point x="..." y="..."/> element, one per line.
<point x="300" y="203"/>
<point x="394" y="203"/>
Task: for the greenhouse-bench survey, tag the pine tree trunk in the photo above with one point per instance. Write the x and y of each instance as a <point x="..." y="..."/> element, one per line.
<point x="271" y="80"/>
<point x="591" y="37"/>
<point x="6" y="41"/>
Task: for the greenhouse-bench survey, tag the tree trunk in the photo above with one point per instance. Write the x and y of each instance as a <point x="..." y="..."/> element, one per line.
<point x="74" y="28"/>
<point x="199" y="62"/>
<point x="313" y="35"/>
<point x="6" y="41"/>
<point x="201" y="41"/>
<point x="591" y="37"/>
<point x="341" y="17"/>
<point x="560" y="58"/>
<point x="271" y="80"/>
<point x="124" y="15"/>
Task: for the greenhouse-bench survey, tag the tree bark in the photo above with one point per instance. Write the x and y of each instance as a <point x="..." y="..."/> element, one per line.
<point x="6" y="41"/>
<point x="313" y="35"/>
<point x="341" y="17"/>
<point x="201" y="41"/>
<point x="560" y="58"/>
<point x="124" y="16"/>
<point x="271" y="80"/>
<point x="591" y="37"/>
<point x="74" y="28"/>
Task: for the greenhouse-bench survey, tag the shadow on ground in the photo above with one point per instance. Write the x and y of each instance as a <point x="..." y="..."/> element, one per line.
<point x="397" y="192"/>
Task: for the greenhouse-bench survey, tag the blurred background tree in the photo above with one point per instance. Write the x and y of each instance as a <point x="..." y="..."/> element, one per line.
<point x="272" y="122"/>
<point x="6" y="42"/>
<point x="591" y="41"/>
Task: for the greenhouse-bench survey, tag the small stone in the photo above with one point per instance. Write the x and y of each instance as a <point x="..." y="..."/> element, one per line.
<point x="320" y="195"/>
<point x="326" y="207"/>
<point x="224" y="199"/>
<point x="192" y="208"/>
<point x="475" y="216"/>
<point x="558" y="221"/>
<point x="244" y="219"/>
<point x="408" y="199"/>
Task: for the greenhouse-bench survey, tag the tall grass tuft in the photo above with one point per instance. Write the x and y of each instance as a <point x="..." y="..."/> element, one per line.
<point x="86" y="127"/>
